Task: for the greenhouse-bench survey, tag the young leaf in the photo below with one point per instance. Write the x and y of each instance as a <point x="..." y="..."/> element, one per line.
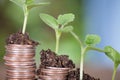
<point x="66" y="29"/>
<point x="19" y="2"/>
<point x="28" y="2"/>
<point x="112" y="54"/>
<point x="33" y="5"/>
<point x="49" y="20"/>
<point x="65" y="18"/>
<point x="92" y="40"/>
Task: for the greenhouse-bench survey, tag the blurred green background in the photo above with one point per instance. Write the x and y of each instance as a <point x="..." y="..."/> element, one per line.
<point x="11" y="21"/>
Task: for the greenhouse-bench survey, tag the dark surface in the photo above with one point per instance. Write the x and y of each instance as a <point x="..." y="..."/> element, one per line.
<point x="20" y="38"/>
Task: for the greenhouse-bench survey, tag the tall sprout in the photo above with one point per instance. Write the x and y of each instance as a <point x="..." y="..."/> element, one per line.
<point x="59" y="25"/>
<point x="26" y="6"/>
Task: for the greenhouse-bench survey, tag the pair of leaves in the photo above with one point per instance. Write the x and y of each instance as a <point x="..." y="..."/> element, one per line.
<point x="92" y="39"/>
<point x="62" y="20"/>
<point x="28" y="3"/>
<point x="112" y="54"/>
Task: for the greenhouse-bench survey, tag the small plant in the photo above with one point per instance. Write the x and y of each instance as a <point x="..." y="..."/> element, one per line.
<point x="90" y="41"/>
<point x="114" y="56"/>
<point x="59" y="25"/>
<point x="27" y="5"/>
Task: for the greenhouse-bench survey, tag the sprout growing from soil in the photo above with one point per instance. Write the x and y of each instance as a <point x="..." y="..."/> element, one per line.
<point x="114" y="56"/>
<point x="91" y="40"/>
<point x="27" y="5"/>
<point x="59" y="25"/>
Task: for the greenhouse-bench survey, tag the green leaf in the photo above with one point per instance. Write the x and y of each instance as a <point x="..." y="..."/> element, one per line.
<point x="92" y="40"/>
<point x="112" y="54"/>
<point x="33" y="5"/>
<point x="49" y="20"/>
<point x="28" y="2"/>
<point x="65" y="18"/>
<point x="19" y="2"/>
<point x="66" y="29"/>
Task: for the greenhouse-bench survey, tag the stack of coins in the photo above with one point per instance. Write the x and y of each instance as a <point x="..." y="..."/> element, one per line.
<point x="20" y="62"/>
<point x="53" y="73"/>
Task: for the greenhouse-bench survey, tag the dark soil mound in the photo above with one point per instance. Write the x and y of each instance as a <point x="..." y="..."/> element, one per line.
<point x="50" y="59"/>
<point x="20" y="38"/>
<point x="74" y="75"/>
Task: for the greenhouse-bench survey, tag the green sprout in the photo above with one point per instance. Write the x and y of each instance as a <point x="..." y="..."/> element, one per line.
<point x="114" y="56"/>
<point x="90" y="41"/>
<point x="59" y="25"/>
<point x="27" y="5"/>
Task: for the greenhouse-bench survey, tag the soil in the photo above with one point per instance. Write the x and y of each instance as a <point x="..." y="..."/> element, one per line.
<point x="74" y="75"/>
<point x="20" y="38"/>
<point x="51" y="59"/>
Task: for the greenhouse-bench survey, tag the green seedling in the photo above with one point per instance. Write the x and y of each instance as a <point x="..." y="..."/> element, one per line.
<point x="59" y="25"/>
<point x="90" y="41"/>
<point x="27" y="5"/>
<point x="114" y="56"/>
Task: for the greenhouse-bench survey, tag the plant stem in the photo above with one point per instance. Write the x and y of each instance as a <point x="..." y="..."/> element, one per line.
<point x="58" y="34"/>
<point x="114" y="72"/>
<point x="83" y="51"/>
<point x="77" y="38"/>
<point x="25" y="20"/>
<point x="94" y="48"/>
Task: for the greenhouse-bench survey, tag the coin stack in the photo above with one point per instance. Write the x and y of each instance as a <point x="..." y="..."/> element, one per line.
<point x="20" y="62"/>
<point x="54" y="73"/>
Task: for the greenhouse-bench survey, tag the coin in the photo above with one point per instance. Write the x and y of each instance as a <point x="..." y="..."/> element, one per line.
<point x="54" y="73"/>
<point x="20" y="62"/>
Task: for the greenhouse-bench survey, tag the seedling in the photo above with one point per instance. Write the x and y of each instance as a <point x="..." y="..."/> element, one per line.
<point x="114" y="56"/>
<point x="59" y="25"/>
<point x="27" y="5"/>
<point x="91" y="41"/>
